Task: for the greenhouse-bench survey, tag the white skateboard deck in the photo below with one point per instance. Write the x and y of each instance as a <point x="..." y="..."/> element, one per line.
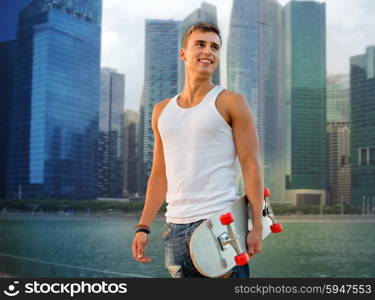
<point x="208" y="255"/>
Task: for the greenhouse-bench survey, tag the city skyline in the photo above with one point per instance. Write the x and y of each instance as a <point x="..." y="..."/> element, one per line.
<point x="350" y="29"/>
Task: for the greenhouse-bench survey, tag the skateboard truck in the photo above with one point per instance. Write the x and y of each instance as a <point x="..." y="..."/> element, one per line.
<point x="229" y="238"/>
<point x="267" y="212"/>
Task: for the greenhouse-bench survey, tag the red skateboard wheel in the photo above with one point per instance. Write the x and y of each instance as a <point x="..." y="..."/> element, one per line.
<point x="275" y="228"/>
<point x="267" y="192"/>
<point x="226" y="219"/>
<point x="241" y="259"/>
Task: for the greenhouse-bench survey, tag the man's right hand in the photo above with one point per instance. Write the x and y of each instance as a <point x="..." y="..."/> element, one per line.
<point x="138" y="247"/>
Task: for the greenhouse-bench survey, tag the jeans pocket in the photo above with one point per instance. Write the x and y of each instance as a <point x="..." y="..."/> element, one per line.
<point x="167" y="231"/>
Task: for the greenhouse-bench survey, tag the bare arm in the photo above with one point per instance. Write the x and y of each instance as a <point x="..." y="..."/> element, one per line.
<point x="157" y="182"/>
<point x="156" y="190"/>
<point x="247" y="146"/>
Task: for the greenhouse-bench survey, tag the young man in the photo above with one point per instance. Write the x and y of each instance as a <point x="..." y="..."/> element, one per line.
<point x="198" y="134"/>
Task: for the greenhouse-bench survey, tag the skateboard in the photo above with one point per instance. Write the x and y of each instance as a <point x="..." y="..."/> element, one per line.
<point x="219" y="243"/>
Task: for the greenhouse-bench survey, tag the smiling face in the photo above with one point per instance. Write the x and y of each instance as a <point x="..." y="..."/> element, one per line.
<point x="202" y="52"/>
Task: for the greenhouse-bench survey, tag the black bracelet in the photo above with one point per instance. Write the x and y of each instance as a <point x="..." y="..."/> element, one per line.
<point x="145" y="230"/>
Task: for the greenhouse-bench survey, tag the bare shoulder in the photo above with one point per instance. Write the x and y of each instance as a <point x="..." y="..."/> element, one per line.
<point x="158" y="109"/>
<point x="232" y="100"/>
<point x="159" y="106"/>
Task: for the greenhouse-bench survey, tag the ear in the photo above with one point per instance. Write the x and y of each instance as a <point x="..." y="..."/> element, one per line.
<point x="182" y="54"/>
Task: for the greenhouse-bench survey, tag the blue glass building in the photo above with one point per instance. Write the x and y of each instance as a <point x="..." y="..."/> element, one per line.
<point x="255" y="66"/>
<point x="54" y="112"/>
<point x="9" y="10"/>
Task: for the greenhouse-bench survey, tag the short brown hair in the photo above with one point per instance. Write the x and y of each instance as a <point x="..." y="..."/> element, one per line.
<point x="205" y="27"/>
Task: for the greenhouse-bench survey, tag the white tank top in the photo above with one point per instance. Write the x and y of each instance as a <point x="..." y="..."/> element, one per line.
<point x="200" y="159"/>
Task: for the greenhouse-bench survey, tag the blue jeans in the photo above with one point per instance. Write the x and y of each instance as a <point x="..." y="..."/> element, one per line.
<point x="177" y="255"/>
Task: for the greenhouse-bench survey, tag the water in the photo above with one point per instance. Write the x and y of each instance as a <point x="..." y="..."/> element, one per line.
<point x="70" y="246"/>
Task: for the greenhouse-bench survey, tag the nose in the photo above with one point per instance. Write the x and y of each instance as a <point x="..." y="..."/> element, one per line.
<point x="207" y="50"/>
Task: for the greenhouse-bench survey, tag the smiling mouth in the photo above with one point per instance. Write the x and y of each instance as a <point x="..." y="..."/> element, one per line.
<point x="205" y="61"/>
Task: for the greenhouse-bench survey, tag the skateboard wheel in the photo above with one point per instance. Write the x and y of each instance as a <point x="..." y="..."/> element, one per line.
<point x="275" y="228"/>
<point x="267" y="192"/>
<point x="241" y="259"/>
<point x="226" y="219"/>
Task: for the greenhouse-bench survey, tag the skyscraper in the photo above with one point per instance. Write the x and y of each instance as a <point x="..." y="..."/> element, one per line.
<point x="110" y="179"/>
<point x="160" y="79"/>
<point x="9" y="10"/>
<point x="305" y="36"/>
<point x="338" y="98"/>
<point x="255" y="69"/>
<point x="8" y="27"/>
<point x="54" y="114"/>
<point x="206" y="13"/>
<point x="131" y="120"/>
<point x="362" y="94"/>
<point x="338" y="132"/>
<point x="339" y="162"/>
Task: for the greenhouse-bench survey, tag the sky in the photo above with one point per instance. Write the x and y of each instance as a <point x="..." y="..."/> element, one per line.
<point x="350" y="29"/>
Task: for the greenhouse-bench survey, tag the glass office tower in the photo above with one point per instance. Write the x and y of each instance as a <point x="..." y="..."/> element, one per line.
<point x="8" y="28"/>
<point x="255" y="69"/>
<point x="362" y="92"/>
<point x="160" y="81"/>
<point x="110" y="152"/>
<point x="305" y="36"/>
<point x="9" y="10"/>
<point x="54" y="114"/>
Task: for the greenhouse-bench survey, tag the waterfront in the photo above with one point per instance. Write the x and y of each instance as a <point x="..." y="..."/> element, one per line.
<point x="99" y="246"/>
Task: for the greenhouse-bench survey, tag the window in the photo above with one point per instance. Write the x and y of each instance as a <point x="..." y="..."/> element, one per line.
<point x="362" y="158"/>
<point x="372" y="156"/>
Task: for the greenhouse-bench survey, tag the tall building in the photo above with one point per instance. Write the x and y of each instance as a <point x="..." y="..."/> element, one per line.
<point x="54" y="112"/>
<point x="338" y="98"/>
<point x="7" y="67"/>
<point x="362" y="94"/>
<point x="110" y="180"/>
<point x="339" y="162"/>
<point x="131" y="120"/>
<point x="8" y="23"/>
<point x="160" y="79"/>
<point x="338" y="132"/>
<point x="9" y="10"/>
<point x="206" y="13"/>
<point x="141" y="172"/>
<point x="305" y="36"/>
<point x="255" y="69"/>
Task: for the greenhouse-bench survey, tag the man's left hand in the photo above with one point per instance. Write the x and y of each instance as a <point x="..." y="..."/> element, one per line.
<point x="254" y="240"/>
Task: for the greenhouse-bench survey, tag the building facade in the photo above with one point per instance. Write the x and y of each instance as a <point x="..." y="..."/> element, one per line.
<point x="255" y="69"/>
<point x="338" y="133"/>
<point x="110" y="180"/>
<point x="160" y="81"/>
<point x="305" y="36"/>
<point x="54" y="111"/>
<point x="362" y="94"/>
<point x="339" y="162"/>
<point x="131" y="156"/>
<point x="9" y="11"/>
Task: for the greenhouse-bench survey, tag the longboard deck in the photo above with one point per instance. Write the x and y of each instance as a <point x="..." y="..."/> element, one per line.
<point x="207" y="254"/>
